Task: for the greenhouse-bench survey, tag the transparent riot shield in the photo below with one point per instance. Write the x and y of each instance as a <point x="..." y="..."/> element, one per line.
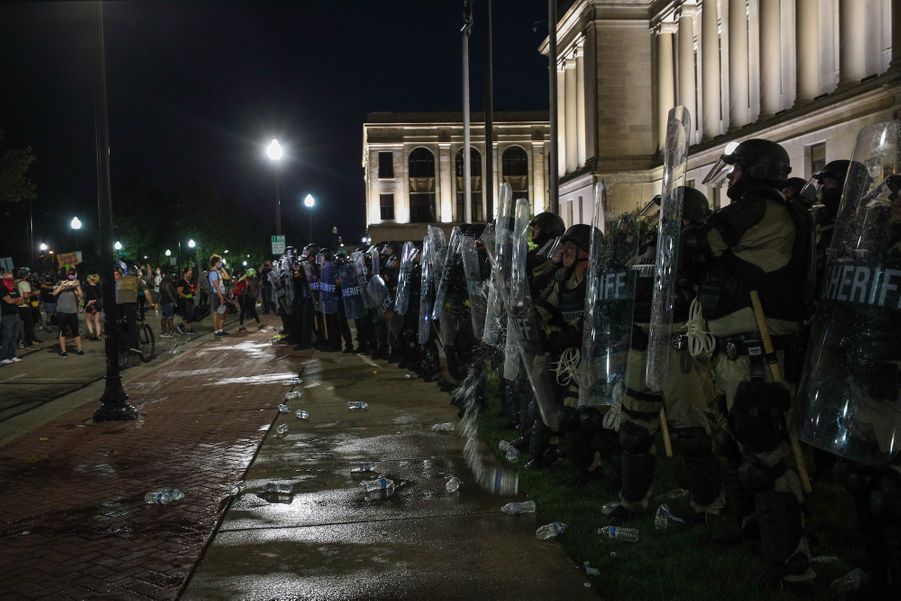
<point x="609" y="297"/>
<point x="498" y="242"/>
<point x="447" y="263"/>
<point x="402" y="302"/>
<point x="313" y="283"/>
<point x="475" y="287"/>
<point x="425" y="291"/>
<point x="359" y="262"/>
<point x="327" y="288"/>
<point x="374" y="257"/>
<point x="848" y="400"/>
<point x="526" y="332"/>
<point x="351" y="292"/>
<point x="669" y="228"/>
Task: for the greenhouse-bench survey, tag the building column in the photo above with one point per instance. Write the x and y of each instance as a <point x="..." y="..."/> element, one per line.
<point x="561" y="119"/>
<point x="572" y="131"/>
<point x="739" y="111"/>
<point x="896" y="37"/>
<point x="807" y="23"/>
<point x="589" y="49"/>
<point x="443" y="188"/>
<point x="580" y="104"/>
<point x="687" y="83"/>
<point x="536" y="177"/>
<point x="666" y="93"/>
<point x="770" y="58"/>
<point x="711" y="69"/>
<point x="852" y="41"/>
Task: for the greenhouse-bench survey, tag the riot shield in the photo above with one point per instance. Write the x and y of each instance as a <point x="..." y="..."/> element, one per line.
<point x="669" y="228"/>
<point x="313" y="282"/>
<point x="402" y="302"/>
<point x="609" y="297"/>
<point x="327" y="287"/>
<point x="499" y="254"/>
<point x="351" y="292"/>
<point x="848" y="401"/>
<point x="526" y="332"/>
<point x="374" y="257"/>
<point x="475" y="287"/>
<point x="425" y="292"/>
<point x="444" y="279"/>
<point x="359" y="263"/>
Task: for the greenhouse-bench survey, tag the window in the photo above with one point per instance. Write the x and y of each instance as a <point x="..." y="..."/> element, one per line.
<point x="386" y="205"/>
<point x="386" y="165"/>
<point x="475" y="172"/>
<point x="817" y="157"/>
<point x="515" y="171"/>
<point x="422" y="186"/>
<point x="690" y="183"/>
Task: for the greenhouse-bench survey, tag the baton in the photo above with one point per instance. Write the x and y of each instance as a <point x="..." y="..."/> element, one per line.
<point x="664" y="432"/>
<point x="777" y="376"/>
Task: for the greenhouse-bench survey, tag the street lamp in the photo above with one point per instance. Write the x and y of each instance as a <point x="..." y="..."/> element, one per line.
<point x="168" y="254"/>
<point x="275" y="152"/>
<point x="43" y="247"/>
<point x="309" y="202"/>
<point x="117" y="246"/>
<point x="191" y="243"/>
<point x="75" y="224"/>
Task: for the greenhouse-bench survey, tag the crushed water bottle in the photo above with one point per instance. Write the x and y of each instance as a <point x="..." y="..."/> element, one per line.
<point x="282" y="430"/>
<point x="293" y="382"/>
<point x="664" y="517"/>
<point x="373" y="490"/>
<point x="293" y="395"/>
<point x="282" y="488"/>
<point x="236" y="488"/>
<point x="848" y="583"/>
<point x="363" y="468"/>
<point x="175" y="494"/>
<point x="453" y="485"/>
<point x="302" y="414"/>
<point x="609" y="508"/>
<point x="676" y="493"/>
<point x="445" y="427"/>
<point x="616" y="533"/>
<point x="550" y="530"/>
<point x="158" y="497"/>
<point x="512" y="454"/>
<point x="589" y="570"/>
<point x="283" y="408"/>
<point x="356" y="405"/>
<point x="518" y="507"/>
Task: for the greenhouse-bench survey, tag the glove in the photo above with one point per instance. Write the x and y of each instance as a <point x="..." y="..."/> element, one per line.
<point x="613" y="419"/>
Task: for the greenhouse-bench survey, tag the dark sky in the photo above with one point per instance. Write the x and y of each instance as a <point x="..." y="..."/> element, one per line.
<point x="196" y="88"/>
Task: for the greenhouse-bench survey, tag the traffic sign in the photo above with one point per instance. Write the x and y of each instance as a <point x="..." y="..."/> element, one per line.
<point x="278" y="245"/>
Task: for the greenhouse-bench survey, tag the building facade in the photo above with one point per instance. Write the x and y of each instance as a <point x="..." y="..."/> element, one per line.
<point x="413" y="168"/>
<point x="808" y="74"/>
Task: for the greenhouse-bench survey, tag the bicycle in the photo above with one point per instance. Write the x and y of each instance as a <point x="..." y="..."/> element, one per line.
<point x="146" y="342"/>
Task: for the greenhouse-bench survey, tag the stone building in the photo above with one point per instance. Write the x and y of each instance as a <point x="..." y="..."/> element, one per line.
<point x="808" y="74"/>
<point x="413" y="168"/>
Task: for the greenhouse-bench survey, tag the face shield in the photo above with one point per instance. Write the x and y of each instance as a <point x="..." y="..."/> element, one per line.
<point x="544" y="253"/>
<point x="723" y="167"/>
<point x="811" y="193"/>
<point x="555" y="250"/>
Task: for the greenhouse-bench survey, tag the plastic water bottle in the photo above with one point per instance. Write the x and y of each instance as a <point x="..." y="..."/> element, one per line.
<point x="281" y="488"/>
<point x="512" y="454"/>
<point x="302" y="414"/>
<point x="518" y="507"/>
<point x="293" y="382"/>
<point x="236" y="488"/>
<point x="356" y="405"/>
<point x="293" y="395"/>
<point x="445" y="427"/>
<point x="664" y="516"/>
<point x="453" y="485"/>
<point x="158" y="497"/>
<point x="609" y="508"/>
<point x="848" y="583"/>
<point x="616" y="533"/>
<point x="282" y="430"/>
<point x="175" y="494"/>
<point x="676" y="493"/>
<point x="363" y="468"/>
<point x="283" y="408"/>
<point x="502" y="446"/>
<point x="373" y="490"/>
<point x="550" y="530"/>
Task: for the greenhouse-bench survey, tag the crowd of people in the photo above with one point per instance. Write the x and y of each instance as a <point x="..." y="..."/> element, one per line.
<point x="701" y="326"/>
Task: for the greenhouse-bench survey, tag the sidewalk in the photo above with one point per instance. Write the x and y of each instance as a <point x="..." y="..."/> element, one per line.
<point x="75" y="524"/>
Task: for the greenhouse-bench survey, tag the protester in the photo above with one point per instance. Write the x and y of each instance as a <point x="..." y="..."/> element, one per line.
<point x="93" y="306"/>
<point x="266" y="287"/>
<point x="246" y="290"/>
<point x="129" y="288"/>
<point x="26" y="314"/>
<point x="68" y="298"/>
<point x="10" y="324"/>
<point x="217" y="275"/>
<point x="167" y="300"/>
<point x="48" y="300"/>
<point x="185" y="299"/>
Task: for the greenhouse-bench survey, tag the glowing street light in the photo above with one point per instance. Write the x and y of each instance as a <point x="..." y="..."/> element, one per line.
<point x="244" y="263"/>
<point x="191" y="243"/>
<point x="168" y="253"/>
<point x="309" y="202"/>
<point x="75" y="224"/>
<point x="275" y="151"/>
<point x="225" y="252"/>
<point x="43" y="247"/>
<point x="117" y="245"/>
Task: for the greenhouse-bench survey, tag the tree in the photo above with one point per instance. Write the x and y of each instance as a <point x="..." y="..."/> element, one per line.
<point x="14" y="164"/>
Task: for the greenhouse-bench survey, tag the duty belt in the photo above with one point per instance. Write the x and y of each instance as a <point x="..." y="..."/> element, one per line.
<point x="737" y="346"/>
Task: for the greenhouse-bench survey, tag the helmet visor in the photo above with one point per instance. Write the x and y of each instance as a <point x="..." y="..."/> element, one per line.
<point x="719" y="172"/>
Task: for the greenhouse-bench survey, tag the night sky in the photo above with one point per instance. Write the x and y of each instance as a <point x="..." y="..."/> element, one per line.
<point x="196" y="88"/>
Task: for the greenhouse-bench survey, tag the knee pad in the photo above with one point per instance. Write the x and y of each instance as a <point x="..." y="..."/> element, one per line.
<point x="754" y="475"/>
<point x="634" y="439"/>
<point x="693" y="442"/>
<point x="590" y="419"/>
<point x="726" y="445"/>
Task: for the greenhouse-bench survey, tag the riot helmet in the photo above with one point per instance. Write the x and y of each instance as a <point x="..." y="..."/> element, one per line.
<point x="829" y="183"/>
<point x="694" y="205"/>
<point x="757" y="161"/>
<point x="546" y="226"/>
<point x="23" y="272"/>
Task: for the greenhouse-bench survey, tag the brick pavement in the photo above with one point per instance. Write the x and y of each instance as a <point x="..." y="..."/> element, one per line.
<point x="74" y="522"/>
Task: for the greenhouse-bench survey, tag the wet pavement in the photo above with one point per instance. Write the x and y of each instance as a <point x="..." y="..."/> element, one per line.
<point x="75" y="525"/>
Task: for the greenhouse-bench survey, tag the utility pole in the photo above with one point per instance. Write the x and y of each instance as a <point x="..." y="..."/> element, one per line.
<point x="467" y="166"/>
<point x="113" y="403"/>
<point x="553" y="175"/>
<point x="488" y="187"/>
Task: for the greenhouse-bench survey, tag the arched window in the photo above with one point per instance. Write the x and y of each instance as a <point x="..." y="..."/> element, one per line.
<point x="515" y="170"/>
<point x="421" y="170"/>
<point x="475" y="172"/>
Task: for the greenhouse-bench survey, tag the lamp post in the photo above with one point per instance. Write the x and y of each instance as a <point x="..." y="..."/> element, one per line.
<point x="191" y="246"/>
<point x="275" y="152"/>
<point x="168" y="254"/>
<point x="75" y="225"/>
<point x="309" y="202"/>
